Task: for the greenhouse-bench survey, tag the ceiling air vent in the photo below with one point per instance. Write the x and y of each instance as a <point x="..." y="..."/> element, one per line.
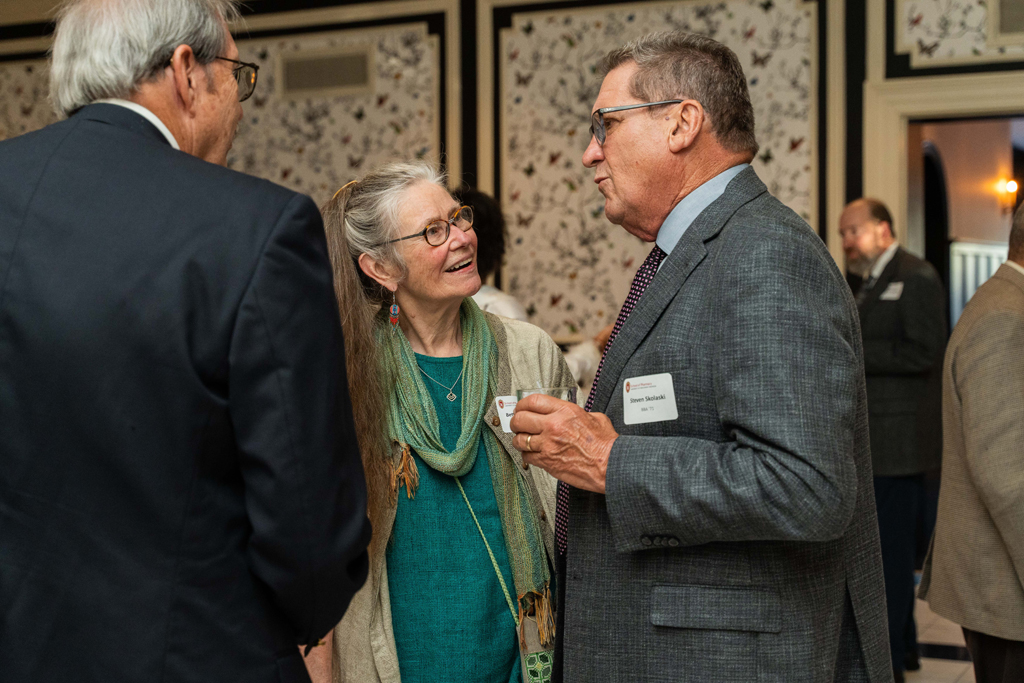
<point x="339" y="72"/>
<point x="1011" y="16"/>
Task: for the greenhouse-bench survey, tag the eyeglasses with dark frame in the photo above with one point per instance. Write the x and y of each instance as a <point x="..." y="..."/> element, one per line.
<point x="244" y="73"/>
<point x="597" y="129"/>
<point x="436" y="233"/>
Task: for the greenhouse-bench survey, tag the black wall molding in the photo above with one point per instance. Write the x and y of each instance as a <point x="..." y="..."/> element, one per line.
<point x="856" y="75"/>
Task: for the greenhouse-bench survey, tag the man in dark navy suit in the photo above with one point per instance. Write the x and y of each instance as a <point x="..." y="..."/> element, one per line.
<point x="181" y="495"/>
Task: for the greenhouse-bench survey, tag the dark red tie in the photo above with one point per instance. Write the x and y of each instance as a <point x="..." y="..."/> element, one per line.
<point x="643" y="278"/>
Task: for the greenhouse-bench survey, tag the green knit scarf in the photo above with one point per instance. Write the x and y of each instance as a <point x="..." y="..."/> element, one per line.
<point x="412" y="422"/>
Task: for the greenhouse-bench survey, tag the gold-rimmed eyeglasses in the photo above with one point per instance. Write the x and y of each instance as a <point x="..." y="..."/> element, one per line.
<point x="245" y="75"/>
<point x="436" y="233"/>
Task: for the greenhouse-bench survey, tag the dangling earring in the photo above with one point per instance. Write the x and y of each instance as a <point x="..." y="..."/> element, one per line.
<point x="394" y="313"/>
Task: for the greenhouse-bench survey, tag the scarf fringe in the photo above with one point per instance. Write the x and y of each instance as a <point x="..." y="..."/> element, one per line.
<point x="537" y="607"/>
<point x="405" y="474"/>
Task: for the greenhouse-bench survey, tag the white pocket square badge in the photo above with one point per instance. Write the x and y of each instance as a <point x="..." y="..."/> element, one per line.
<point x="893" y="292"/>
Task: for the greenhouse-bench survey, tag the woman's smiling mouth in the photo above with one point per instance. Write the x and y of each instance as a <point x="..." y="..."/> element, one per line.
<point x="462" y="265"/>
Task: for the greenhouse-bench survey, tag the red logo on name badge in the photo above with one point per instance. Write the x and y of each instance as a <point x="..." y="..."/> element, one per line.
<point x="501" y="404"/>
<point x="627" y="387"/>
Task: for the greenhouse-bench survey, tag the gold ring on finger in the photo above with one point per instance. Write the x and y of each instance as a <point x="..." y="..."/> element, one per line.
<point x="528" y="437"/>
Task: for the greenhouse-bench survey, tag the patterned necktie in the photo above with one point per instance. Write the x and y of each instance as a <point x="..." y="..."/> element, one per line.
<point x="865" y="289"/>
<point x="643" y="278"/>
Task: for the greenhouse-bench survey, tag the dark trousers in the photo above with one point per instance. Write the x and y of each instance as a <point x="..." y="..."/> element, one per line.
<point x="898" y="501"/>
<point x="995" y="660"/>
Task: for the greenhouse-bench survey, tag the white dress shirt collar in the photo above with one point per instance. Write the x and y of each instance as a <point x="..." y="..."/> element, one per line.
<point x="146" y="114"/>
<point x="883" y="260"/>
<point x="691" y="206"/>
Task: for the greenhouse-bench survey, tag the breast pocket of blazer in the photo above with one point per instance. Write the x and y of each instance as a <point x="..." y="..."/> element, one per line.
<point x="716" y="608"/>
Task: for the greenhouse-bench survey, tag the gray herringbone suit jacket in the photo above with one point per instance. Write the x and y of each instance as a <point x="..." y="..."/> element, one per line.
<point x="974" y="573"/>
<point x="737" y="543"/>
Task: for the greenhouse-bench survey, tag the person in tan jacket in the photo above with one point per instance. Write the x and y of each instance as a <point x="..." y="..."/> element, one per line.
<point x="974" y="574"/>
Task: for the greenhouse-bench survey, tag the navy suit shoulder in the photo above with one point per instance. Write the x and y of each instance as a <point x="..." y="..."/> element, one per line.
<point x="182" y="497"/>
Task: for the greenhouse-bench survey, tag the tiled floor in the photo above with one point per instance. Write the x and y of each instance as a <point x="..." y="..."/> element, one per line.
<point x="931" y="628"/>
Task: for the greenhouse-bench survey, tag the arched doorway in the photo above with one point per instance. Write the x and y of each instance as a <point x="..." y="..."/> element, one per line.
<point x="936" y="213"/>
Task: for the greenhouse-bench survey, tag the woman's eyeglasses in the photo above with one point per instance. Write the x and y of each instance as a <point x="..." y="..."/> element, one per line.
<point x="436" y="233"/>
<point x="245" y="75"/>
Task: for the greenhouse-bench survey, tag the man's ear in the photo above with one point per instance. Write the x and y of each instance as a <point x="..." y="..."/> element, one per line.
<point x="378" y="272"/>
<point x="888" y="229"/>
<point x="686" y="122"/>
<point x="185" y="68"/>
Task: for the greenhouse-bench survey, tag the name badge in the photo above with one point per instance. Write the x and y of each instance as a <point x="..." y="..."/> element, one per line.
<point x="650" y="398"/>
<point x="506" y="406"/>
<point x="893" y="292"/>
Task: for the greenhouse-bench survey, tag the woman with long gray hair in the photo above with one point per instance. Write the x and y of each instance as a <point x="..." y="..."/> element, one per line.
<point x="460" y="582"/>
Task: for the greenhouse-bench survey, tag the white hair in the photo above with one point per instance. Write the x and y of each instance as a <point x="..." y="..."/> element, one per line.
<point x="106" y="48"/>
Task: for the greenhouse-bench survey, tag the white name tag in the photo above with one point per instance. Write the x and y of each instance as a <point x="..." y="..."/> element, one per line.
<point x="506" y="406"/>
<point x="893" y="292"/>
<point x="650" y="398"/>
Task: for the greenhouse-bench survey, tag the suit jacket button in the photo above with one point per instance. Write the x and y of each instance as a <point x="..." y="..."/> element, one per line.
<point x="658" y="540"/>
<point x="646" y="540"/>
<point x="543" y="516"/>
<point x="674" y="542"/>
<point x="495" y="421"/>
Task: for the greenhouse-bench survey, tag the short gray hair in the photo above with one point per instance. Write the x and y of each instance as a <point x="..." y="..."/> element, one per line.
<point x="363" y="216"/>
<point x="106" y="48"/>
<point x="1017" y="236"/>
<point x="675" y="64"/>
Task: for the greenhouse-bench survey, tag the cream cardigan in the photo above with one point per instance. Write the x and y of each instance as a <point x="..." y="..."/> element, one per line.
<point x="364" y="642"/>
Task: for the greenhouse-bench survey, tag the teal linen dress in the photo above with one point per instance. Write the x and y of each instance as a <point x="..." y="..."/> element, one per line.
<point x="450" y="617"/>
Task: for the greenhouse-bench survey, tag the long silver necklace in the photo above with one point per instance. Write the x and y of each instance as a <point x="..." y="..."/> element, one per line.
<point x="451" y="389"/>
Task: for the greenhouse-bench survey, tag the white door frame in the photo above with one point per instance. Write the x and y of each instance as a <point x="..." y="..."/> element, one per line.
<point x="890" y="105"/>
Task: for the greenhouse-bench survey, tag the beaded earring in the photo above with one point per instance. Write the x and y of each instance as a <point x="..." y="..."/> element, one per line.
<point x="393" y="311"/>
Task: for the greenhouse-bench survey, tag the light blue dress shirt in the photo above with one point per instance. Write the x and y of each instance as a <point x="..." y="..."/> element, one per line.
<point x="691" y="206"/>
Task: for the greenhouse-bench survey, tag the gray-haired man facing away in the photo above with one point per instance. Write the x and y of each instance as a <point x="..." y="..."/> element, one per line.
<point x="181" y="496"/>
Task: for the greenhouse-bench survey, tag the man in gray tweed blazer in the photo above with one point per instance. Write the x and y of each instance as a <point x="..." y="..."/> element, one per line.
<point x="974" y="574"/>
<point x="721" y="523"/>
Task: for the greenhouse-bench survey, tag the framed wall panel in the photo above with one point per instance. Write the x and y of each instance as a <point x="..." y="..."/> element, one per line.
<point x="933" y="34"/>
<point x="569" y="266"/>
<point x="318" y="142"/>
<point x="314" y="143"/>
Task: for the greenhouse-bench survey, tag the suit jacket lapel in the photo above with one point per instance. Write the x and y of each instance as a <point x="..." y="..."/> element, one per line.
<point x="675" y="269"/>
<point x="884" y="280"/>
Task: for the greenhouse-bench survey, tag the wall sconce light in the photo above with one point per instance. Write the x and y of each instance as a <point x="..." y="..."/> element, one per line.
<point x="1007" y="190"/>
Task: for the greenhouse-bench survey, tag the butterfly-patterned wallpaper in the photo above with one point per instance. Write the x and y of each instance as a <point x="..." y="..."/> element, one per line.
<point x="948" y="32"/>
<point x="565" y="262"/>
<point x="316" y="145"/>
<point x="311" y="145"/>
<point x="24" y="92"/>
